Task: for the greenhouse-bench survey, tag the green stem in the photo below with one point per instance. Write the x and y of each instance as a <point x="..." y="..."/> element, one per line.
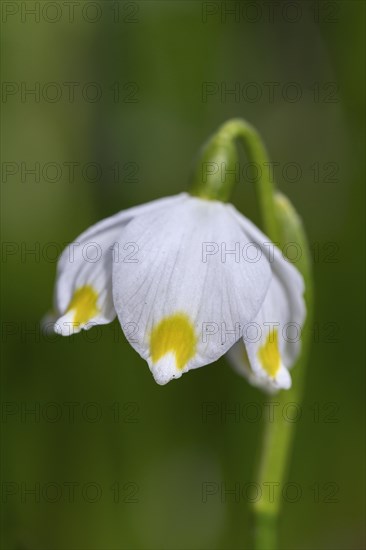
<point x="217" y="172"/>
<point x="256" y="153"/>
<point x="214" y="178"/>
<point x="278" y="433"/>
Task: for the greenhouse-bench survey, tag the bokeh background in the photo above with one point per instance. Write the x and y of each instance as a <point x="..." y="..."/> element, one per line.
<point x="126" y="469"/>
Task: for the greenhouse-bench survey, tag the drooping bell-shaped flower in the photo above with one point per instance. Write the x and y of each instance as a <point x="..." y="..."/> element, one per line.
<point x="194" y="278"/>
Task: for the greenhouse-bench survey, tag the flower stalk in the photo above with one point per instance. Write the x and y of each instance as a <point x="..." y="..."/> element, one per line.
<point x="221" y="152"/>
<point x="278" y="434"/>
<point x="282" y="225"/>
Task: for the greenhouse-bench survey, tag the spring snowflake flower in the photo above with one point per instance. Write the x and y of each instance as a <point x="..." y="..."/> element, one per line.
<point x="189" y="279"/>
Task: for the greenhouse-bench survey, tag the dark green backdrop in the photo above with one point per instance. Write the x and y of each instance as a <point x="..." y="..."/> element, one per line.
<point x="115" y="461"/>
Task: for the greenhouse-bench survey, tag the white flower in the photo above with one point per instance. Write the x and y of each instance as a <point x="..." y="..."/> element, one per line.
<point x="192" y="277"/>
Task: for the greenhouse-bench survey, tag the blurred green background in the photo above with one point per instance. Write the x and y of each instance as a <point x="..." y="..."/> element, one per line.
<point x="138" y="455"/>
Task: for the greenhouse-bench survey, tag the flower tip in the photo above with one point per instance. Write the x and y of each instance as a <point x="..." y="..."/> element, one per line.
<point x="60" y="329"/>
<point x="65" y="326"/>
<point x="271" y="385"/>
<point x="283" y="379"/>
<point x="165" y="369"/>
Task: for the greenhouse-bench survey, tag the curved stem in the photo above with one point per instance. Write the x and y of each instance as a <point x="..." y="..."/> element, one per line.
<point x="220" y="154"/>
<point x="278" y="432"/>
<point x="282" y="225"/>
<point x="256" y="152"/>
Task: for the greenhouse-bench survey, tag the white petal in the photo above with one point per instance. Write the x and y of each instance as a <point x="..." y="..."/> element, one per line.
<point x="261" y="355"/>
<point x="182" y="301"/>
<point x="271" y="345"/>
<point x="83" y="293"/>
<point x="285" y="271"/>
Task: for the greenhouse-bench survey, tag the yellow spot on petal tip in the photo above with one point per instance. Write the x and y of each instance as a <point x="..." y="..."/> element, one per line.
<point x="83" y="304"/>
<point x="269" y="354"/>
<point x="174" y="334"/>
